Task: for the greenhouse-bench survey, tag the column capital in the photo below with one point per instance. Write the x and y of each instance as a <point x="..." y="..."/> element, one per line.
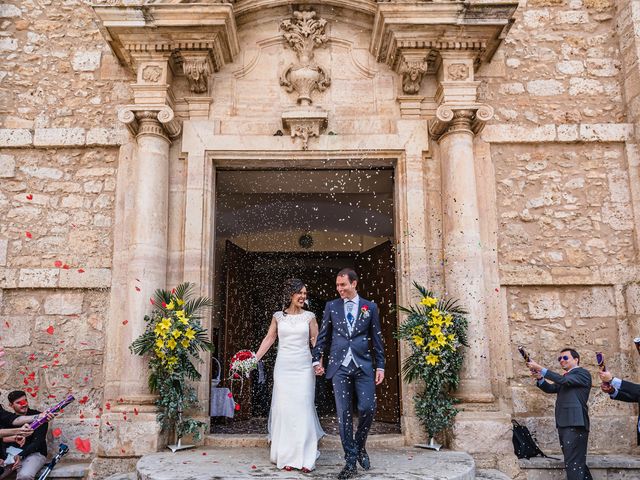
<point x="150" y="119"/>
<point x="459" y="118"/>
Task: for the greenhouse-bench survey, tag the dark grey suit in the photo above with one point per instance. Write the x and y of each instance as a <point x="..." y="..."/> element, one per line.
<point x="572" y="418"/>
<point x="630" y="392"/>
<point x="358" y="378"/>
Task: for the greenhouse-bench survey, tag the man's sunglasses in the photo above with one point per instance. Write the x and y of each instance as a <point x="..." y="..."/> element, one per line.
<point x="22" y="403"/>
<point x="563" y="357"/>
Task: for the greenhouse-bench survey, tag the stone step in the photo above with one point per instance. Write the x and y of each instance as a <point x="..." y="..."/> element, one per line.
<point x="238" y="463"/>
<point x="69" y="471"/>
<point x="603" y="467"/>
<point x="123" y="476"/>
<point x="490" y="474"/>
<point x="389" y="440"/>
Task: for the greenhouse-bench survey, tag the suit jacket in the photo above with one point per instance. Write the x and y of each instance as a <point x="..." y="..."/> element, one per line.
<point x="334" y="336"/>
<point x="630" y="392"/>
<point x="573" y="391"/>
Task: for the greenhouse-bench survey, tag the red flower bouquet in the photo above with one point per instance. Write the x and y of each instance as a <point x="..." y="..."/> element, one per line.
<point x="242" y="363"/>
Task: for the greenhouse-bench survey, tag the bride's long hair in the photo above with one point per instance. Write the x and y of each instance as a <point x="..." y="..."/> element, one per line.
<point x="291" y="287"/>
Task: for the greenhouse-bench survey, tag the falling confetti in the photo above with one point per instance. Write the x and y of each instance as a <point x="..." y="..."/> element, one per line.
<point x="28" y="234"/>
<point x="50" y="330"/>
<point x="83" y="445"/>
<point x="29" y="197"/>
<point x="57" y="263"/>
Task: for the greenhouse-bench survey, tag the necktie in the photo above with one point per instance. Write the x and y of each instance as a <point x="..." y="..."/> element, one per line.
<point x="350" y="317"/>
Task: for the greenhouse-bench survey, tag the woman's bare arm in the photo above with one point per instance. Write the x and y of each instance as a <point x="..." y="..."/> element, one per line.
<point x="313" y="331"/>
<point x="268" y="340"/>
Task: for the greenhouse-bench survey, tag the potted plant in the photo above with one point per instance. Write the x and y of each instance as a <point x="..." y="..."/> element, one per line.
<point x="173" y="340"/>
<point x="436" y="330"/>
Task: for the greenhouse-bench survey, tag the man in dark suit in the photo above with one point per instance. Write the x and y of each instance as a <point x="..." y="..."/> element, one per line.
<point x="621" y="390"/>
<point x="348" y="325"/>
<point x="572" y="413"/>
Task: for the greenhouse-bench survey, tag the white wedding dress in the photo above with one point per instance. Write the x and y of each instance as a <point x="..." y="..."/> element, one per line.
<point x="294" y="428"/>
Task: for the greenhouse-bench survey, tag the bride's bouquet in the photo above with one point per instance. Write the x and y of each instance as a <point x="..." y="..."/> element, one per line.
<point x="242" y="364"/>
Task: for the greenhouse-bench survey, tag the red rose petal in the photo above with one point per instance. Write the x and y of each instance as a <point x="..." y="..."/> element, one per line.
<point x="80" y="270"/>
<point x="164" y="305"/>
<point x="204" y="453"/>
<point x="153" y="302"/>
<point x="50" y="330"/>
<point x="253" y="467"/>
<point x="124" y="322"/>
<point x="29" y="197"/>
<point x="137" y="289"/>
<point x="83" y="445"/>
<point x="57" y="263"/>
<point x="230" y="395"/>
<point x="56" y="433"/>
<point x="7" y="324"/>
<point x="66" y="267"/>
<point x="66" y="375"/>
<point x="135" y="411"/>
<point x="107" y="406"/>
<point x="237" y="407"/>
<point x="83" y="400"/>
<point x="28" y="234"/>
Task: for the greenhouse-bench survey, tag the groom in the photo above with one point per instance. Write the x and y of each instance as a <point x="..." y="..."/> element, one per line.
<point x="348" y="324"/>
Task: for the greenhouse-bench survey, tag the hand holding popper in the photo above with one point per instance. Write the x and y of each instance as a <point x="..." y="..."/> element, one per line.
<point x="605" y="386"/>
<point x="534" y="368"/>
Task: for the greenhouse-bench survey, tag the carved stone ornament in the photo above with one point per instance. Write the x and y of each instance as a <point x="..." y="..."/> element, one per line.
<point x="197" y="71"/>
<point x="151" y="73"/>
<point x="157" y="120"/>
<point x="458" y="71"/>
<point x="412" y="75"/>
<point x="459" y="118"/>
<point x="303" y="33"/>
<point x="305" y="124"/>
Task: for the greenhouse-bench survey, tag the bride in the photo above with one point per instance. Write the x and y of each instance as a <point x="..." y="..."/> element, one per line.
<point x="294" y="428"/>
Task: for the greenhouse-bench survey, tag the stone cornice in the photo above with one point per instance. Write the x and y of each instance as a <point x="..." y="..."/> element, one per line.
<point x="137" y="31"/>
<point x="478" y="27"/>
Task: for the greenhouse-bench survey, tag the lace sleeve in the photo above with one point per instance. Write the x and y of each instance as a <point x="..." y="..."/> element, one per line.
<point x="310" y="316"/>
<point x="278" y="316"/>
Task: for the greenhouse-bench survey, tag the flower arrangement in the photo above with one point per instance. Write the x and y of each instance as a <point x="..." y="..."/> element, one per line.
<point x="173" y="339"/>
<point x="242" y="364"/>
<point x="435" y="329"/>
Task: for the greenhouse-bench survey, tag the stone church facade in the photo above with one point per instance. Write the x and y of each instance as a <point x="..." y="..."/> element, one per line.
<point x="509" y="129"/>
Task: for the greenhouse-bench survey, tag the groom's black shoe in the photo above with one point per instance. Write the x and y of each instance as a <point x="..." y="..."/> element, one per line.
<point x="349" y="471"/>
<point x="363" y="460"/>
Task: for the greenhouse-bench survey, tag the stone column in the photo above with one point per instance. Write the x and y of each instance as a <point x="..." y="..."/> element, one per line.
<point x="454" y="129"/>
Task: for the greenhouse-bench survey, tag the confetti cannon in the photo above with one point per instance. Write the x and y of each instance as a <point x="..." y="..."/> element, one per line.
<point x="603" y="368"/>
<point x="62" y="451"/>
<point x="51" y="410"/>
<point x="524" y="353"/>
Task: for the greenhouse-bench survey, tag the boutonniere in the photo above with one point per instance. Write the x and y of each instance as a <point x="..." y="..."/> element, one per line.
<point x="364" y="312"/>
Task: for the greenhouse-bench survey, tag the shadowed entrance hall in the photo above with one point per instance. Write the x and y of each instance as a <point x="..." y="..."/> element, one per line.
<point x="278" y="224"/>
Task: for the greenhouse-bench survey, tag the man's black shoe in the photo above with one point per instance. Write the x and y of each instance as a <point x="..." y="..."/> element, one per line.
<point x="349" y="471"/>
<point x="363" y="460"/>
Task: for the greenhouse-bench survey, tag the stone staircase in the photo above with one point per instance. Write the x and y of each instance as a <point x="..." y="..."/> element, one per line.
<point x="69" y="471"/>
<point x="603" y="467"/>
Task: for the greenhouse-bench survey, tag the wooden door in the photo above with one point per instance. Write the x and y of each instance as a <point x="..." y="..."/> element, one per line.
<point x="237" y="321"/>
<point x="376" y="269"/>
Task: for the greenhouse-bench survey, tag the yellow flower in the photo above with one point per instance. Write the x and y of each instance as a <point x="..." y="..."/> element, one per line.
<point x="437" y="320"/>
<point x="185" y="342"/>
<point x="451" y="337"/>
<point x="429" y="301"/>
<point x="419" y="341"/>
<point x="160" y="343"/>
<point x="172" y="344"/>
<point x="434" y="345"/>
<point x="190" y="333"/>
<point x="448" y="320"/>
<point x="180" y="302"/>
<point x="432" y="359"/>
<point x="435" y="313"/>
<point x="183" y="319"/>
<point x="442" y="340"/>
<point x="160" y="353"/>
<point x="435" y="331"/>
<point x="176" y="333"/>
<point x="165" y="324"/>
<point x="170" y="305"/>
<point x="171" y="361"/>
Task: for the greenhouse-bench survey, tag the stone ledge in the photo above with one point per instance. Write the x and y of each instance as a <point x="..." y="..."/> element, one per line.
<point x="62" y="137"/>
<point x="517" y="275"/>
<point x="617" y="462"/>
<point x="558" y="133"/>
<point x="65" y="471"/>
<point x="11" y="278"/>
